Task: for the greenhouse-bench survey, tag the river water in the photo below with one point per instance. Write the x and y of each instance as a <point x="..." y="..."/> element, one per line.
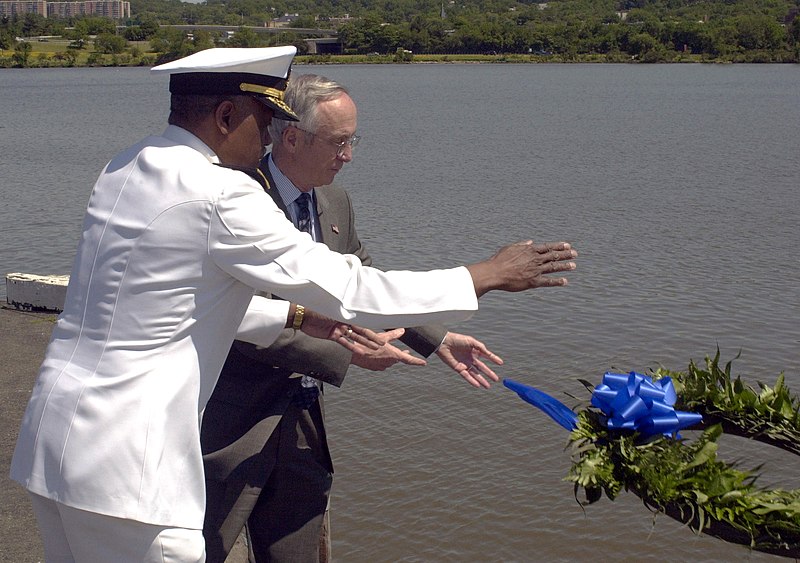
<point x="677" y="184"/>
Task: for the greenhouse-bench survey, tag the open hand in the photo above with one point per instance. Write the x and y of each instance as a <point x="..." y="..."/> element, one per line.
<point x="462" y="353"/>
<point x="386" y="356"/>
<point x="523" y="265"/>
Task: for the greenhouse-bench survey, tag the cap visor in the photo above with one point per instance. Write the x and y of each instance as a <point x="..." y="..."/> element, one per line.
<point x="278" y="112"/>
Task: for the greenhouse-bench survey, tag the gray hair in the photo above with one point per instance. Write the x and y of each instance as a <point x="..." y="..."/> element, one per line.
<point x="303" y="94"/>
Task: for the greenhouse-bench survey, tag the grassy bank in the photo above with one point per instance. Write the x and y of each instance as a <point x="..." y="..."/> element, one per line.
<point x="56" y="52"/>
<point x="477" y="58"/>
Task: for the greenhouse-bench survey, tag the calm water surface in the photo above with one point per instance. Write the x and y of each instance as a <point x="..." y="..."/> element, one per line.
<point x="677" y="185"/>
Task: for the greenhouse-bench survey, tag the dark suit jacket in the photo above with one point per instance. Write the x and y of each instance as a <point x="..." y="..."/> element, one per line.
<point x="256" y="384"/>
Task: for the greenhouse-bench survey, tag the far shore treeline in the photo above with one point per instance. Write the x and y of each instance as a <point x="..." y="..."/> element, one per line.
<point x="649" y="31"/>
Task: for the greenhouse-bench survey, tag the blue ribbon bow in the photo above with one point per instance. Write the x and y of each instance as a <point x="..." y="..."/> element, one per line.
<point x="629" y="401"/>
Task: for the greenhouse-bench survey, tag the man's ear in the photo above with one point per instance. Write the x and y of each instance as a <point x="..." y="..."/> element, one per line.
<point x="225" y="117"/>
<point x="291" y="138"/>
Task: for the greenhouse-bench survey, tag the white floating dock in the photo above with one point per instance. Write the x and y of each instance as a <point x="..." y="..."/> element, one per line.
<point x="31" y="292"/>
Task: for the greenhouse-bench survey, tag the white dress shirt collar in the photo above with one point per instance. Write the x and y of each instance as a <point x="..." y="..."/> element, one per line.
<point x="184" y="137"/>
<point x="289" y="192"/>
<point x="286" y="188"/>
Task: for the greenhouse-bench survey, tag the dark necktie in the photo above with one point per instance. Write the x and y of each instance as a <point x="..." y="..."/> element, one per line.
<point x="303" y="215"/>
<point x="308" y="392"/>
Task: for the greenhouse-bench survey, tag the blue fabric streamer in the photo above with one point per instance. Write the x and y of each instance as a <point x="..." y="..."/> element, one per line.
<point x="557" y="410"/>
<point x="629" y="401"/>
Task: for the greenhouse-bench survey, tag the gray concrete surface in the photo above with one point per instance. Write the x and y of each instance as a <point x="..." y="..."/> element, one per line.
<point x="23" y="339"/>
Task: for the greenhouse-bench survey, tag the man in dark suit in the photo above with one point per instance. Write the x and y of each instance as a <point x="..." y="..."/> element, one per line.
<point x="265" y="450"/>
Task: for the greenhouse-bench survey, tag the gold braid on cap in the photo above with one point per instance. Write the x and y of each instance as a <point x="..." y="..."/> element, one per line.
<point x="284" y="106"/>
<point x="264" y="90"/>
<point x="273" y="94"/>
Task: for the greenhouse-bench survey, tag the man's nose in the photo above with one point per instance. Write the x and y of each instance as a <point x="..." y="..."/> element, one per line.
<point x="346" y="153"/>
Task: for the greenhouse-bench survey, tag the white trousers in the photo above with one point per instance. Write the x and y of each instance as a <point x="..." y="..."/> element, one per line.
<point x="71" y="535"/>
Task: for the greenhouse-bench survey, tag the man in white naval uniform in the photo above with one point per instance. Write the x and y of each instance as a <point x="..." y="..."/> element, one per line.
<point x="172" y="248"/>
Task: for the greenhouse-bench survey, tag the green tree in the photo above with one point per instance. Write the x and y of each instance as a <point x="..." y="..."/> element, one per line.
<point x="731" y="29"/>
<point x="601" y="38"/>
<point x="304" y="22"/>
<point x="691" y="36"/>
<point x="34" y="24"/>
<point x="110" y="43"/>
<point x="202" y="40"/>
<point x="361" y="35"/>
<point x="134" y="33"/>
<point x="287" y="38"/>
<point x="191" y="14"/>
<point x="386" y="39"/>
<point x="244" y="37"/>
<point x="95" y="59"/>
<point x="403" y="55"/>
<point x="725" y="40"/>
<point x="171" y="44"/>
<point x="95" y="26"/>
<point x="424" y="34"/>
<point x="67" y="58"/>
<point x="79" y="36"/>
<point x="22" y="53"/>
<point x="642" y="43"/>
<point x="759" y="32"/>
<point x="149" y="26"/>
<point x="793" y="32"/>
<point x="6" y="39"/>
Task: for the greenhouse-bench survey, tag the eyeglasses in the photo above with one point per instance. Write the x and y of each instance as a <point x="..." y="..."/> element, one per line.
<point x="352" y="142"/>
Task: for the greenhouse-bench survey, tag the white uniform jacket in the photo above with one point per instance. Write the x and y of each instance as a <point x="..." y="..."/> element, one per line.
<point x="171" y="250"/>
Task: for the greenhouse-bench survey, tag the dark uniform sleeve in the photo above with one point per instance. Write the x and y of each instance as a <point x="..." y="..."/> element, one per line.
<point x="424" y="339"/>
<point x="296" y="351"/>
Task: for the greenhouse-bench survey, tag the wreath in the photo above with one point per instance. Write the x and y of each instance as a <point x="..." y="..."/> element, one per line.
<point x="628" y="438"/>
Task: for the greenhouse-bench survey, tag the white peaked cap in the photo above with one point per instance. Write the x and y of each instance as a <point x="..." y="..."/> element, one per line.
<point x="261" y="72"/>
<point x="269" y="61"/>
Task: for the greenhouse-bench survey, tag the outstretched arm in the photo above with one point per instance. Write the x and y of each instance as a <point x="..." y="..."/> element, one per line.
<point x="460" y="352"/>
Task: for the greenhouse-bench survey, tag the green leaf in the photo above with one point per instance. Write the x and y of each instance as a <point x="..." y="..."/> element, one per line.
<point x="687" y="475"/>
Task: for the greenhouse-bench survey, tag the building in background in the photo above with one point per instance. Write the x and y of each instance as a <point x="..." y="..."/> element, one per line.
<point x="114" y="9"/>
<point x="21" y="8"/>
